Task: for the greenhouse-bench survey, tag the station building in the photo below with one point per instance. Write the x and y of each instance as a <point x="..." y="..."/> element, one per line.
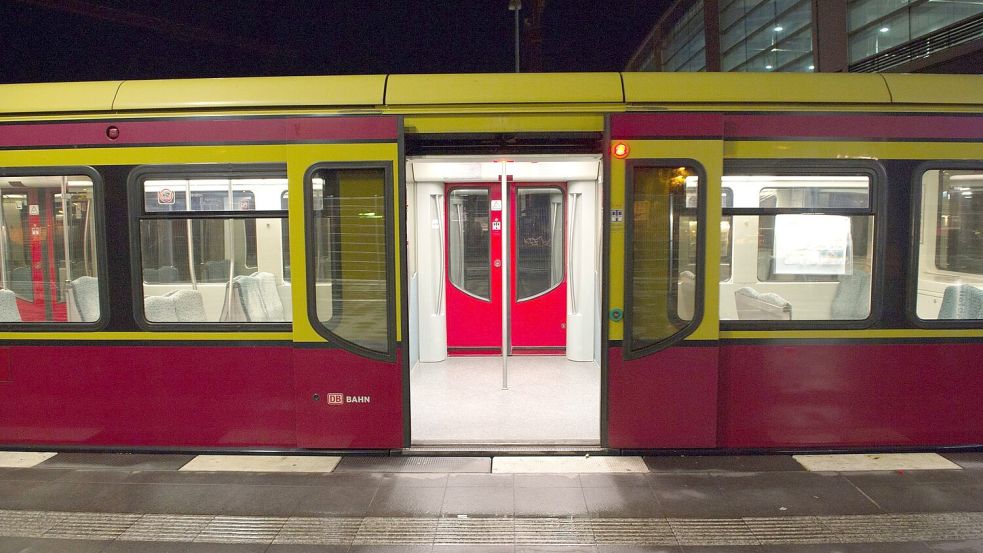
<point x="933" y="36"/>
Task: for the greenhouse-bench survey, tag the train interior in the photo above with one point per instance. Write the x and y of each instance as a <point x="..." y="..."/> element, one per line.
<point x="221" y="268"/>
<point x="48" y="258"/>
<point x="504" y="276"/>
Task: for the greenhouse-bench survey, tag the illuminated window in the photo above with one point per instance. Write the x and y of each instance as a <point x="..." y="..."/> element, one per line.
<point x="49" y="259"/>
<point x="803" y="248"/>
<point x="212" y="246"/>
<point x="950" y="251"/>
<point x="766" y="35"/>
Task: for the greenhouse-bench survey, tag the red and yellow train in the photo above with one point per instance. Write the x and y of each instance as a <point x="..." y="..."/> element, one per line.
<point x="622" y="261"/>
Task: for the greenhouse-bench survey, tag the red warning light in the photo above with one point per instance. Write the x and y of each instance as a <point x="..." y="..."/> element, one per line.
<point x="620" y="150"/>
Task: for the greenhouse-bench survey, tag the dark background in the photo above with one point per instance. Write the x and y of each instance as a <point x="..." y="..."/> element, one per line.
<point x="81" y="40"/>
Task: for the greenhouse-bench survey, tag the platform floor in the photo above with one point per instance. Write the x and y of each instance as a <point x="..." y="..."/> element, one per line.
<point x="550" y="400"/>
<point x="77" y="502"/>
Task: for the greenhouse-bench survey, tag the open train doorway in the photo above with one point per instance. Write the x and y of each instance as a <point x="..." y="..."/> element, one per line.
<point x="505" y="280"/>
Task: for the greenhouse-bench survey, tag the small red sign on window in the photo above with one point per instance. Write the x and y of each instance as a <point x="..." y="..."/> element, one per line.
<point x="165" y="196"/>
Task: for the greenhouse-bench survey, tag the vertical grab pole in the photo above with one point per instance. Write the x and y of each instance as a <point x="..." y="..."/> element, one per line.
<point x="191" y="240"/>
<point x="3" y="246"/>
<point x="66" y="234"/>
<point x="506" y="281"/>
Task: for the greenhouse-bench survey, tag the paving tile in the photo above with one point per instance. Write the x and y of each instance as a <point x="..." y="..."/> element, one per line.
<point x="549" y="502"/>
<point x="130" y="461"/>
<point x="547" y="481"/>
<point x="390" y="549"/>
<point x="336" y="501"/>
<point x="958" y="546"/>
<point x="927" y="498"/>
<point x="45" y="545"/>
<point x="622" y="502"/>
<point x="692" y="496"/>
<point x="406" y="502"/>
<point x="162" y="498"/>
<point x="34" y="474"/>
<point x="54" y="496"/>
<point x="894" y="547"/>
<point x="794" y="494"/>
<point x="969" y="460"/>
<point x="479" y="501"/>
<point x="19" y="494"/>
<point x="421" y="480"/>
<point x="295" y="548"/>
<point x="472" y="548"/>
<point x="728" y="463"/>
<point x="637" y="549"/>
<point x="227" y="548"/>
<point x="555" y="549"/>
<point x="615" y="480"/>
<point x="269" y="501"/>
<point x="121" y="546"/>
<point x="480" y="480"/>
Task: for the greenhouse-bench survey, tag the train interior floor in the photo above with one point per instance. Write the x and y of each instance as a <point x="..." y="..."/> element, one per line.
<point x="549" y="400"/>
<point x="92" y="502"/>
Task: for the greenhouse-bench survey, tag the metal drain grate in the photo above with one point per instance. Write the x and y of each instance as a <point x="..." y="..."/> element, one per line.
<point x="526" y="531"/>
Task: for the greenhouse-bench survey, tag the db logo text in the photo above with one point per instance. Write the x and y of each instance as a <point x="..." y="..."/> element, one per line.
<point x="341" y="399"/>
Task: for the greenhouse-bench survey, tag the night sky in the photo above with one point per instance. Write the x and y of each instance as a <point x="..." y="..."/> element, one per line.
<point x="81" y="40"/>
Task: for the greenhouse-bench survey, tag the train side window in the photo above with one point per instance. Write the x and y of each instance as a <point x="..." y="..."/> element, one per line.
<point x="211" y="246"/>
<point x="950" y="246"/>
<point x="50" y="250"/>
<point x="349" y="266"/>
<point x="803" y="247"/>
<point x="663" y="254"/>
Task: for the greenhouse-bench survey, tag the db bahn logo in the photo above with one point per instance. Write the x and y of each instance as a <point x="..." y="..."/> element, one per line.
<point x="342" y="399"/>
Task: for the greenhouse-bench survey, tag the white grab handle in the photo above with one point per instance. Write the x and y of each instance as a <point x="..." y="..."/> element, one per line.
<point x="571" y="267"/>
<point x="437" y="223"/>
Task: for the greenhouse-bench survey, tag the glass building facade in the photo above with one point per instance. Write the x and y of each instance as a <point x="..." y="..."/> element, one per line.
<point x="810" y="35"/>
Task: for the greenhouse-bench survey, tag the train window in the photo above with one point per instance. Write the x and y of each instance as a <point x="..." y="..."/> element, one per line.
<point x="211" y="247"/>
<point x="803" y="247"/>
<point x="663" y="254"/>
<point x="539" y="241"/>
<point x="349" y="263"/>
<point x="468" y="236"/>
<point x="49" y="255"/>
<point x="950" y="266"/>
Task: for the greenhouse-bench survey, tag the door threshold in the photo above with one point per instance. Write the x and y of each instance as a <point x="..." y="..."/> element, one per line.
<point x="493" y="449"/>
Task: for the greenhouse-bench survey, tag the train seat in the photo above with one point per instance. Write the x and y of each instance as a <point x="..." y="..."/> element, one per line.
<point x="85" y="294"/>
<point x="160" y="309"/>
<point x="168" y="273"/>
<point x="962" y="301"/>
<point x="852" y="298"/>
<point x="755" y="306"/>
<point x="269" y="296"/>
<point x="687" y="295"/>
<point x="189" y="306"/>
<point x="8" y="307"/>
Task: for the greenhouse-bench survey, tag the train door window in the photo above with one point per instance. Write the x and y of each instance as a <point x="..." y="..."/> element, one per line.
<point x="950" y="246"/>
<point x="468" y="239"/>
<point x="538" y="242"/>
<point x="663" y="253"/>
<point x="285" y="240"/>
<point x="49" y="249"/>
<point x="348" y="222"/>
<point x="211" y="245"/>
<point x="803" y="247"/>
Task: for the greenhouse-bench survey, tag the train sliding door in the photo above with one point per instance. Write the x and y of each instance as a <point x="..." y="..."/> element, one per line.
<point x="663" y="328"/>
<point x="347" y="284"/>
<point x="536" y="220"/>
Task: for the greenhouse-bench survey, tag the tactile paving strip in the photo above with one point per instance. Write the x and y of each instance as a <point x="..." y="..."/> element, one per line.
<point x="527" y="531"/>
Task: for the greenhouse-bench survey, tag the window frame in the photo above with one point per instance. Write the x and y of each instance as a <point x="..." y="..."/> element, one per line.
<point x="911" y="299"/>
<point x="876" y="205"/>
<point x="98" y="202"/>
<point x="138" y="213"/>
<point x="629" y="350"/>
<point x="310" y="283"/>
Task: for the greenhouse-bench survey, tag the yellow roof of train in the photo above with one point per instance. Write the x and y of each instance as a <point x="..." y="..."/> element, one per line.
<point x="378" y="91"/>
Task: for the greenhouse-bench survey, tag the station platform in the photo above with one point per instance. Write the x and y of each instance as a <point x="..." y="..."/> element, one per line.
<point x="101" y="502"/>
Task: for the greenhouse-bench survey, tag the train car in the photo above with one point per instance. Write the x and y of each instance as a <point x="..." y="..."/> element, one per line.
<point x="609" y="261"/>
